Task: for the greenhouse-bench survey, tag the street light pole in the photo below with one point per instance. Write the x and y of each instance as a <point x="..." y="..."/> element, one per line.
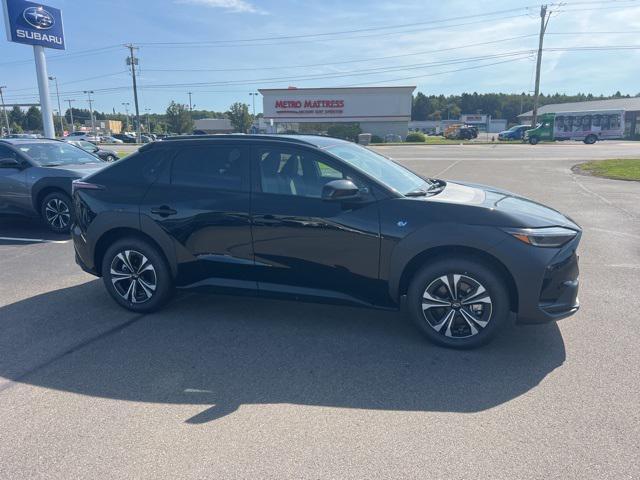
<point x="93" y="123"/>
<point x="73" y="126"/>
<point x="147" y="110"/>
<point x="55" y="79"/>
<point x="4" y="110"/>
<point x="253" y="98"/>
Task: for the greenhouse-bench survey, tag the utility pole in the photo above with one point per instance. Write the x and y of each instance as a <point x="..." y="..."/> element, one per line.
<point x="147" y="110"/>
<point x="132" y="60"/>
<point x="93" y="122"/>
<point x="544" y="21"/>
<point x="55" y="79"/>
<point x="73" y="126"/>
<point x="4" y="110"/>
<point x="126" y="109"/>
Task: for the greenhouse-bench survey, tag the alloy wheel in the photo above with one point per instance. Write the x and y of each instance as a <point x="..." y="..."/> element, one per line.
<point x="457" y="306"/>
<point x="58" y="213"/>
<point x="133" y="276"/>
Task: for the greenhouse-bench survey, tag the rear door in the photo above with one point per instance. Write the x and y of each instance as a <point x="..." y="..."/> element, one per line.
<point x="202" y="202"/>
<point x="307" y="246"/>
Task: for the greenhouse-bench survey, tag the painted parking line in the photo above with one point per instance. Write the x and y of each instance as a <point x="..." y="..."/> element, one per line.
<point x="32" y="240"/>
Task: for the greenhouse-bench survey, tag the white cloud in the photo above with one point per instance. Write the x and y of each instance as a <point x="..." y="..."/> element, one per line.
<point x="235" y="6"/>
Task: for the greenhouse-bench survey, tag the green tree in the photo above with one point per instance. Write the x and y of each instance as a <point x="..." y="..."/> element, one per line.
<point x="16" y="117"/>
<point x="178" y="118"/>
<point x="240" y="117"/>
<point x="33" y="119"/>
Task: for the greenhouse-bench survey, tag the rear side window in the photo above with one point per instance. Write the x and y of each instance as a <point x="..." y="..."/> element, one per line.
<point x="211" y="166"/>
<point x="141" y="168"/>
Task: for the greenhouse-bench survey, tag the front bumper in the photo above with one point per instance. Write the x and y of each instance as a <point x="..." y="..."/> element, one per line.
<point x="546" y="279"/>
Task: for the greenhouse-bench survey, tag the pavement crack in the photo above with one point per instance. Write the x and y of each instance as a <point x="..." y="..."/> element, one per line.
<point x="604" y="200"/>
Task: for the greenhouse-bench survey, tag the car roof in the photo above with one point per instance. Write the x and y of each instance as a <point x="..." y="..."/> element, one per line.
<point x="311" y="140"/>
<point x="21" y="141"/>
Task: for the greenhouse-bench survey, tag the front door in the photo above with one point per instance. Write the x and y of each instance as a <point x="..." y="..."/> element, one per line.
<point x="203" y="204"/>
<point x="307" y="246"/>
<point x="14" y="193"/>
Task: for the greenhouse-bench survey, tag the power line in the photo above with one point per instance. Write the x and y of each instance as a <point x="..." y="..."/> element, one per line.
<point x="334" y="33"/>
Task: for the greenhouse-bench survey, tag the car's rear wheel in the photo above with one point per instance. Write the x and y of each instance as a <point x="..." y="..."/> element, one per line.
<point x="534" y="140"/>
<point x="136" y="275"/>
<point x="55" y="210"/>
<point x="458" y="303"/>
<point x="590" y="139"/>
<point x="110" y="158"/>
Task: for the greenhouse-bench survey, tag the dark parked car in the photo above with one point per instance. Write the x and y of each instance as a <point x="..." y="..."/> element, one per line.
<point x="36" y="175"/>
<point x="321" y="218"/>
<point x="103" y="153"/>
<point x="514" y="133"/>
<point x="124" y="137"/>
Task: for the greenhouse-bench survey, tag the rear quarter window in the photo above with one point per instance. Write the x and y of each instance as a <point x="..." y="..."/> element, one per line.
<point x="139" y="168"/>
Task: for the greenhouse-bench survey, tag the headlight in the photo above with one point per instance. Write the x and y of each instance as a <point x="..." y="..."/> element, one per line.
<point x="543" y="237"/>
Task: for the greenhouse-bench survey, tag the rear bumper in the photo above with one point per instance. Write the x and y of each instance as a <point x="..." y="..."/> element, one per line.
<point x="83" y="254"/>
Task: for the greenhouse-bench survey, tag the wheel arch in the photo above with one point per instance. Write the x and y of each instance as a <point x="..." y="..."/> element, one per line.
<point x="118" y="233"/>
<point x="41" y="193"/>
<point x="474" y="254"/>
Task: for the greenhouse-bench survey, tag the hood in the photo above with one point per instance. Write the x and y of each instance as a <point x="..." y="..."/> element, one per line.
<point x="503" y="208"/>
<point x="81" y="169"/>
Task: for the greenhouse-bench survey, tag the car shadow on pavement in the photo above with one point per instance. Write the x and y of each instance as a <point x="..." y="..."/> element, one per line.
<point x="223" y="352"/>
<point x="27" y="229"/>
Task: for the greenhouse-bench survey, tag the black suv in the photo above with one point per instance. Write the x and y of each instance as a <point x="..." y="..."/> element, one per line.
<point x="321" y="218"/>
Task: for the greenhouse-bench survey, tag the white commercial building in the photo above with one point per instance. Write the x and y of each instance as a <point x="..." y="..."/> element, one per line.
<point x="378" y="110"/>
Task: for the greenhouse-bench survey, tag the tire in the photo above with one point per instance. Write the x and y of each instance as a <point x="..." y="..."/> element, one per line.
<point x="533" y="140"/>
<point x="590" y="139"/>
<point x="110" y="158"/>
<point x="151" y="284"/>
<point x="56" y="211"/>
<point x="458" y="323"/>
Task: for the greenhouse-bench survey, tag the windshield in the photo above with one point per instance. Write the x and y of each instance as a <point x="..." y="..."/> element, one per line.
<point x="381" y="168"/>
<point x="52" y="154"/>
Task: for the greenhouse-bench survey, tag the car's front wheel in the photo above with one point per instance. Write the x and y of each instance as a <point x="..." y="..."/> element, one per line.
<point x="136" y="275"/>
<point x="458" y="302"/>
<point x="110" y="158"/>
<point x="533" y="140"/>
<point x="55" y="210"/>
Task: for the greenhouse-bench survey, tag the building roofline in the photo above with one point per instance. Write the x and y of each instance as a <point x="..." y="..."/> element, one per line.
<point x="396" y="87"/>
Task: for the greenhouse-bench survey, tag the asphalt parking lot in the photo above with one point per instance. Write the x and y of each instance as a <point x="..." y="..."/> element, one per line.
<point x="223" y="387"/>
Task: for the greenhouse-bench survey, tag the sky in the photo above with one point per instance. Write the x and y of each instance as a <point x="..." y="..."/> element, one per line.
<point x="222" y="50"/>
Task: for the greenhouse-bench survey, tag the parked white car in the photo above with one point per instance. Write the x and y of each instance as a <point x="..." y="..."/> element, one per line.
<point x="86" y="136"/>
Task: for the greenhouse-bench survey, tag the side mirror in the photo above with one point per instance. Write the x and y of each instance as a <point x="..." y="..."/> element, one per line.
<point x="340" y="190"/>
<point x="9" y="162"/>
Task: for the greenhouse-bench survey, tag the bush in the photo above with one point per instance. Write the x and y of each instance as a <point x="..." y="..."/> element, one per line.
<point x="345" y="131"/>
<point x="376" y="139"/>
<point x="416" y="137"/>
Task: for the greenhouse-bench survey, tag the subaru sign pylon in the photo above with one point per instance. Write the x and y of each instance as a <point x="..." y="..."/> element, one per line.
<point x="40" y="26"/>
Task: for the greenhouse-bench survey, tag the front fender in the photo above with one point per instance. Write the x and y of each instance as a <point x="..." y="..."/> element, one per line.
<point x="435" y="235"/>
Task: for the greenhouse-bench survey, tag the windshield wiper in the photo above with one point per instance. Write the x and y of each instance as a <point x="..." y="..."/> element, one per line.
<point x="432" y="188"/>
<point x="51" y="164"/>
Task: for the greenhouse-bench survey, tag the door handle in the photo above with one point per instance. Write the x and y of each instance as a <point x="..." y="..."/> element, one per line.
<point x="163" y="211"/>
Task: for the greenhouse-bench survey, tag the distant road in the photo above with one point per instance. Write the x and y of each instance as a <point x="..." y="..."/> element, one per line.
<point x="549" y="151"/>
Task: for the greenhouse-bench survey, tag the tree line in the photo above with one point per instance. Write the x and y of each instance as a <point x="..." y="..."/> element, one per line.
<point x="498" y="105"/>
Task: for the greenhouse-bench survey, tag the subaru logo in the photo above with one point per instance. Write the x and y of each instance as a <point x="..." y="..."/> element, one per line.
<point x="38" y="18"/>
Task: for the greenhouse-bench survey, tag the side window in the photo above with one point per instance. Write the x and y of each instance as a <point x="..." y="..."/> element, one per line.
<point x="295" y="172"/>
<point x="215" y="166"/>
<point x="6" y="152"/>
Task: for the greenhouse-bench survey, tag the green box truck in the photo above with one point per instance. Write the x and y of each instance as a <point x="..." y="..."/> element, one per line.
<point x="588" y="126"/>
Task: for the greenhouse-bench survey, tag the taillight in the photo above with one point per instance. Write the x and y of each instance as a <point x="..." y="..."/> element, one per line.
<point x="80" y="185"/>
